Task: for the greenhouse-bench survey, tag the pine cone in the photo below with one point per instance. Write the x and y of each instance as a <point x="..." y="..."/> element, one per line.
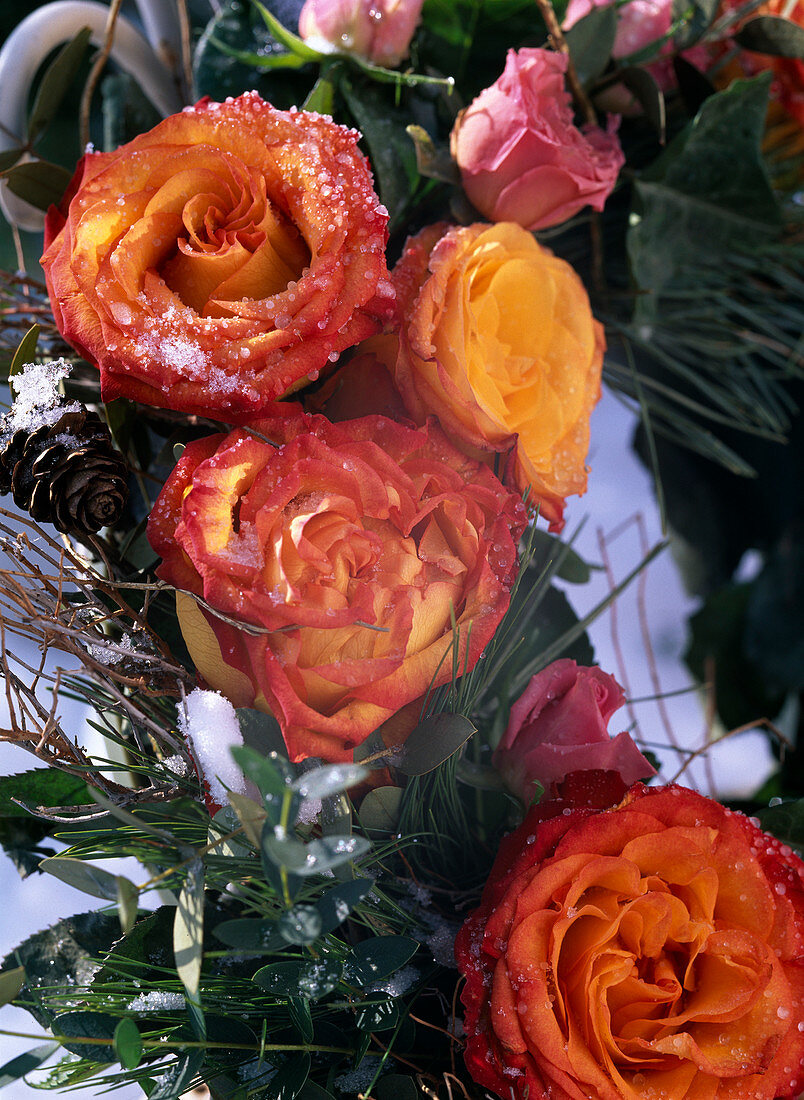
<point x="67" y="474"/>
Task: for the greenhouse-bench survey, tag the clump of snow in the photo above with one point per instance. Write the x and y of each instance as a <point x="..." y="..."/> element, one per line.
<point x="358" y="1080"/>
<point x="113" y="653"/>
<point x="397" y="983"/>
<point x="209" y="723"/>
<point x="158" y="1000"/>
<point x="37" y="400"/>
<point x="176" y="764"/>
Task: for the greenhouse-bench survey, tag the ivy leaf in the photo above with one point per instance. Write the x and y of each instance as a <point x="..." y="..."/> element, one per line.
<point x="88" y="1025"/>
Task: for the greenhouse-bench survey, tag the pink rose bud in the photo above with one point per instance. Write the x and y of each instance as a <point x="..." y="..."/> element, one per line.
<point x="559" y="725"/>
<point x="522" y="158"/>
<point x="378" y="31"/>
<point x="639" y="22"/>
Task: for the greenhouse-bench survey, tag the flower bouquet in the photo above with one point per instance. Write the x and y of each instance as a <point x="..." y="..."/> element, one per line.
<point x="296" y="403"/>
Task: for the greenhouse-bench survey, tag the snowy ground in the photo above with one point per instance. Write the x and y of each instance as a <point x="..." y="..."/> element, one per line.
<point x="640" y="642"/>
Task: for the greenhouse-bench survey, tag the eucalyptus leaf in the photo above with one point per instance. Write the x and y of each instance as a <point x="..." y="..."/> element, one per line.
<point x="17" y="1067"/>
<point x="569" y="565"/>
<point x="250" y="814"/>
<point x="251" y="934"/>
<point x="643" y="87"/>
<point x="9" y="157"/>
<point x="11" y="982"/>
<point x="128" y="1044"/>
<point x="300" y="924"/>
<point x="322" y="97"/>
<point x="312" y="979"/>
<point x="380" y="810"/>
<point x="378" y="957"/>
<point x="39" y="182"/>
<point x="377" y="1015"/>
<point x="433" y="741"/>
<point x="82" y="875"/>
<point x="84" y="1026"/>
<point x="289" y="1080"/>
<point x="56" y="82"/>
<point x="260" y="732"/>
<point x="772" y="34"/>
<point x="317" y="856"/>
<point x="337" y="903"/>
<point x="188" y="929"/>
<point x="26" y="353"/>
<point x="329" y="779"/>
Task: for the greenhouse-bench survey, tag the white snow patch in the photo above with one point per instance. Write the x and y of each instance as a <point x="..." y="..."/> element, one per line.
<point x="37" y="400"/>
<point x="209" y="723"/>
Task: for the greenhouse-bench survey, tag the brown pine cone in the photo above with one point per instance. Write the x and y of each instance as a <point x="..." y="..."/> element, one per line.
<point x="68" y="474"/>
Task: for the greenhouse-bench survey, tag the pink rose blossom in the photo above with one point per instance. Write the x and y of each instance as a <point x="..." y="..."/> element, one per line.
<point x="521" y="156"/>
<point x="559" y="725"/>
<point x="378" y="31"/>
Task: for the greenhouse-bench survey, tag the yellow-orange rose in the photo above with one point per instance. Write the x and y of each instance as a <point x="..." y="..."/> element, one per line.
<point x="498" y="340"/>
<point x="352" y="548"/>
<point x="652" y="950"/>
<point x="221" y="260"/>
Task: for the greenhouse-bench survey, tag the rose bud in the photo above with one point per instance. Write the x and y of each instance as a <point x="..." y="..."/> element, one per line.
<point x="521" y="156"/>
<point x="220" y="261"/>
<point x="378" y="31"/>
<point x="559" y="725"/>
<point x="649" y="949"/>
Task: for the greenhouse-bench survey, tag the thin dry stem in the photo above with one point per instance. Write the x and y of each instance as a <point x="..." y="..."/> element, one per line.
<point x="95" y="72"/>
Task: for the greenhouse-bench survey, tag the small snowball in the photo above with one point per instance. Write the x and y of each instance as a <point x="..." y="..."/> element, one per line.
<point x="211" y="727"/>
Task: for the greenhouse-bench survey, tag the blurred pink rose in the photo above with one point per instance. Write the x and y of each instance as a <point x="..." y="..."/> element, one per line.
<point x="559" y="725"/>
<point x="378" y="31"/>
<point x="521" y="157"/>
<point x="639" y="22"/>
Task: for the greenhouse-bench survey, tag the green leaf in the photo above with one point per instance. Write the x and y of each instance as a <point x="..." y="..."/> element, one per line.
<point x="300" y="925"/>
<point x="289" y="1080"/>
<point x="708" y="192"/>
<point x="377" y="1015"/>
<point x="25" y="1063"/>
<point x="87" y="1025"/>
<point x="785" y="822"/>
<point x="772" y="34"/>
<point x="338" y="902"/>
<point x="176" y="1080"/>
<point x="433" y="741"/>
<point x="188" y="929"/>
<point x="396" y="1086"/>
<point x="378" y="957"/>
<point x="329" y="779"/>
<point x="128" y="897"/>
<point x="691" y="19"/>
<point x="289" y="40"/>
<point x="26" y="353"/>
<point x="322" y="96"/>
<point x="570" y="566"/>
<point x="11" y="982"/>
<point x="9" y="157"/>
<point x="591" y="40"/>
<point x="393" y="157"/>
<point x="261" y="732"/>
<point x="271" y="775"/>
<point x="434" y="162"/>
<point x="62" y="957"/>
<point x="312" y="1091"/>
<point x="39" y="182"/>
<point x="317" y="856"/>
<point x="56" y="83"/>
<point x="128" y="1044"/>
<point x="251" y="934"/>
<point x="380" y="810"/>
<point x="302" y="1018"/>
<point x="251" y="816"/>
<point x="312" y="979"/>
<point x="82" y="875"/>
<point x="643" y="87"/>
